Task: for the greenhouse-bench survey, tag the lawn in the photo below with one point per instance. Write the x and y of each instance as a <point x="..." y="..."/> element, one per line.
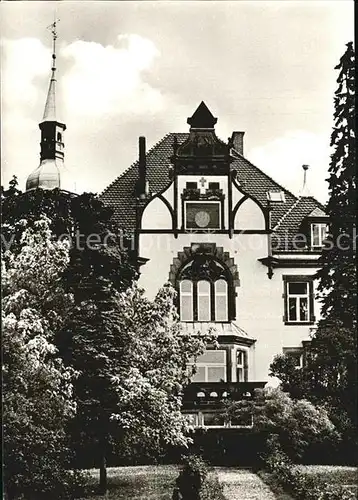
<point x="135" y="483"/>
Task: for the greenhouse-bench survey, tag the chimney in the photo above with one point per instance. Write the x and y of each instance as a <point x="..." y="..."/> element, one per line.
<point x="238" y="141"/>
<point x="142" y="166"/>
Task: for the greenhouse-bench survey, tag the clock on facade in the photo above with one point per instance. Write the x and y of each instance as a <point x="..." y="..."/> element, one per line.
<point x="202" y="215"/>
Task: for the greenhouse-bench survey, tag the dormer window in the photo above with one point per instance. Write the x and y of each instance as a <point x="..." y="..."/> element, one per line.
<point x="319" y="231"/>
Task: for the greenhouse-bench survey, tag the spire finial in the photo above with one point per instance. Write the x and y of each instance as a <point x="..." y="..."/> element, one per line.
<point x="305" y="191"/>
<point x="50" y="106"/>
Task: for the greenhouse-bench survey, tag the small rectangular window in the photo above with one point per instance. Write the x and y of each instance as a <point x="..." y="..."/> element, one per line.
<point x="214" y="185"/>
<point x="191" y="185"/>
<point x="319" y="233"/>
<point x="186" y="300"/>
<point x="241" y="365"/>
<point x="299" y="299"/>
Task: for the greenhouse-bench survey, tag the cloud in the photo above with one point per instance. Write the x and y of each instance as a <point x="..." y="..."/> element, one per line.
<point x="24" y="60"/>
<point x="110" y="79"/>
<point x="283" y="158"/>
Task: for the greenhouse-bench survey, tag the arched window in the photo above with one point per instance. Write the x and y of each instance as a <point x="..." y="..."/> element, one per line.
<point x="204" y="299"/>
<point x="59" y="137"/>
<point x="221" y="300"/>
<point x="206" y="291"/>
<point x="186" y="300"/>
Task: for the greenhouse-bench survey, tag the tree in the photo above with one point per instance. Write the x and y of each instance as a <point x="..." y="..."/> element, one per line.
<point x="338" y="279"/>
<point x="330" y="372"/>
<point x="132" y="361"/>
<point x="38" y="400"/>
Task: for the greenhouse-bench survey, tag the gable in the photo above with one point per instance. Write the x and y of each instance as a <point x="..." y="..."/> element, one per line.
<point x="120" y="194"/>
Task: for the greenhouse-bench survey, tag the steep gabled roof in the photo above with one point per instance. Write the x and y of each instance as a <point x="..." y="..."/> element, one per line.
<point x="120" y="194"/>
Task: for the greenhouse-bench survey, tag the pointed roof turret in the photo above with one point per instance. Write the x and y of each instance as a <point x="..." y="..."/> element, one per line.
<point x="51" y="173"/>
<point x="202" y="118"/>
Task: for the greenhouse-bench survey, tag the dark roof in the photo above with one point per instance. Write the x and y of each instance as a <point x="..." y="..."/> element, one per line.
<point x="202" y="117"/>
<point x="286" y="217"/>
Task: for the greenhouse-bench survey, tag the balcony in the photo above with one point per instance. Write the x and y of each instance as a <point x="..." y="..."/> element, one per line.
<point x="211" y="395"/>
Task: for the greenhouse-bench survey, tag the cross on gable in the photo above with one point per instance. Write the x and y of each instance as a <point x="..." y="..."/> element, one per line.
<point x="202" y="182"/>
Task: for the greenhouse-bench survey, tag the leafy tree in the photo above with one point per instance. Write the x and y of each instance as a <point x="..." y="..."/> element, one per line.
<point x="298" y="423"/>
<point x="38" y="400"/>
<point x="330" y="372"/>
<point x="132" y="362"/>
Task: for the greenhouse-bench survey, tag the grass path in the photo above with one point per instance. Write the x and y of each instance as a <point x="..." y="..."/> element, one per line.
<point x="243" y="484"/>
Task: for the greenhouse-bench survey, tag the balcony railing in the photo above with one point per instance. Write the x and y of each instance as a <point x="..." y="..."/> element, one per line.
<point x="213" y="394"/>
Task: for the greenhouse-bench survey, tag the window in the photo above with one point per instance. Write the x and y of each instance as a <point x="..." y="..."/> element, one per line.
<point x="204" y="299"/>
<point x="319" y="232"/>
<point x="241" y="368"/>
<point x="186" y="300"/>
<point x="296" y="354"/>
<point x="191" y="185"/>
<point x="205" y="291"/>
<point x="221" y="296"/>
<point x="202" y="215"/>
<point x="299" y="300"/>
<point x="214" y="186"/>
<point x="210" y="367"/>
<point x="59" y="137"/>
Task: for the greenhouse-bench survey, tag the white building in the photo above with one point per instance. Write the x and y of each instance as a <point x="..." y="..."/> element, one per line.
<point x="241" y="251"/>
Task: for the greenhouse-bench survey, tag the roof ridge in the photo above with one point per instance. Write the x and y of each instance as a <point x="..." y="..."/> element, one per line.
<point x="266" y="175"/>
<point x="294" y="205"/>
<point x="135" y="163"/>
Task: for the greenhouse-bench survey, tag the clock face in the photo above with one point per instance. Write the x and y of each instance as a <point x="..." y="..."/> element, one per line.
<point x="202" y="215"/>
<point x="202" y="219"/>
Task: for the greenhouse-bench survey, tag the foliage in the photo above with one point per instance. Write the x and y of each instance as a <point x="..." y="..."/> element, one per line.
<point x="302" y="486"/>
<point x="131" y="357"/>
<point x="330" y="375"/>
<point x="193" y="482"/>
<point x="38" y="400"/>
<point x="298" y="423"/>
<point x="338" y="279"/>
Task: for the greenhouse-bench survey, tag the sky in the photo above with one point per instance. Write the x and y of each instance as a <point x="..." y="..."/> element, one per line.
<point x="127" y="69"/>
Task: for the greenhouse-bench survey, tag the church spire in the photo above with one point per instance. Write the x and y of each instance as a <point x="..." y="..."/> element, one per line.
<point x="50" y="106"/>
<point x="51" y="172"/>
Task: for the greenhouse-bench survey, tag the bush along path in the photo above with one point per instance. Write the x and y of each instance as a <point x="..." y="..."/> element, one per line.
<point x="243" y="484"/>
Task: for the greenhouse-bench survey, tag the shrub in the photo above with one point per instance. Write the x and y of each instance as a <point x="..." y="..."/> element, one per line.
<point x="193" y="482"/>
<point x="302" y="486"/>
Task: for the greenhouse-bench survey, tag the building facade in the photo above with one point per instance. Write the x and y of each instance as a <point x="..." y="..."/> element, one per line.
<point x="240" y="250"/>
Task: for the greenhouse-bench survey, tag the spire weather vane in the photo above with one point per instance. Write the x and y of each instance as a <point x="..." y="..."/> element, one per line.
<point x="53" y="28"/>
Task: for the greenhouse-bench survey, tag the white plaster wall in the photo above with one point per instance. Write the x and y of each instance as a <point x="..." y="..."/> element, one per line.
<point x="249" y="216"/>
<point x="156" y="215"/>
<point x="259" y="301"/>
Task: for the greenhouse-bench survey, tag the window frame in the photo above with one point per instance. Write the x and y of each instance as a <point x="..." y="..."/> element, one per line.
<point x="186" y="294"/>
<point x="212" y="302"/>
<point x="287" y="279"/>
<point x="208" y="365"/>
<point x="321" y="239"/>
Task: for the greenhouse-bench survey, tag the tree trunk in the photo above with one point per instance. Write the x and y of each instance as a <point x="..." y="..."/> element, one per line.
<point x="103" y="475"/>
